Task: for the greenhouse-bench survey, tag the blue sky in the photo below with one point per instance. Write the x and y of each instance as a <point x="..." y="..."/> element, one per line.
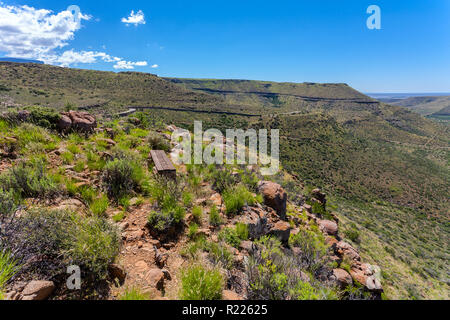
<point x="292" y="41"/>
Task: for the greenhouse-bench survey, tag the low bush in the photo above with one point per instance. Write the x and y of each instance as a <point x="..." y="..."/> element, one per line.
<point x="197" y="213"/>
<point x="242" y="231"/>
<point x="198" y="283"/>
<point x="214" y="217"/>
<point x="44" y="241"/>
<point x="313" y="249"/>
<point x="157" y="142"/>
<point x="236" y="198"/>
<point x="99" y="206"/>
<point x="8" y="268"/>
<point x="276" y="274"/>
<point x="122" y="177"/>
<point x="30" y="180"/>
<point x="230" y="236"/>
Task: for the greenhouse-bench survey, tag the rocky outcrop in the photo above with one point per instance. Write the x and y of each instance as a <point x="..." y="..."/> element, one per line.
<point x="274" y="197"/>
<point x="77" y="121"/>
<point x="342" y="277"/>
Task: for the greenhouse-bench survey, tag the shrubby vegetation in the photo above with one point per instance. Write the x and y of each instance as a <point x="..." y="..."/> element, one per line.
<point x="275" y="274"/>
<point x="199" y="283"/>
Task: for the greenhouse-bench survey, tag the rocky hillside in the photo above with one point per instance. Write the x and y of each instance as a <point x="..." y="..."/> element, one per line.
<point x="80" y="191"/>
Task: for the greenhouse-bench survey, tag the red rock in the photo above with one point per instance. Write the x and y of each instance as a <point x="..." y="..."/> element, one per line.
<point x="343" y="278"/>
<point x="274" y="197"/>
<point x="329" y="227"/>
<point x="38" y="290"/>
<point x="281" y="230"/>
<point x="155" y="277"/>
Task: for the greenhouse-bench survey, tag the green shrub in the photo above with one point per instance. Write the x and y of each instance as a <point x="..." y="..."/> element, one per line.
<point x="242" y="231"/>
<point x="118" y="217"/>
<point x="352" y="233"/>
<point x="160" y="221"/>
<point x="193" y="229"/>
<point x="235" y="199"/>
<point x="67" y="157"/>
<point x="122" y="177"/>
<point x="197" y="213"/>
<point x="312" y="246"/>
<point x="87" y="193"/>
<point x="99" y="206"/>
<point x="188" y="198"/>
<point x="63" y="238"/>
<point x="7" y="204"/>
<point x="274" y="274"/>
<point x="157" y="142"/>
<point x="221" y="179"/>
<point x="219" y="254"/>
<point x="134" y="294"/>
<point x="198" y="283"/>
<point x="230" y="236"/>
<point x="8" y="268"/>
<point x="92" y="243"/>
<point x="30" y="180"/>
<point x="214" y="217"/>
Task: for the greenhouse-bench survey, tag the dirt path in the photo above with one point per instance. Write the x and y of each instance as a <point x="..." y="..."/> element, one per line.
<point x="151" y="267"/>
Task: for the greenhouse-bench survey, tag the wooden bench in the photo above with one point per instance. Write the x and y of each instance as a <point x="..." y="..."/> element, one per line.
<point x="163" y="165"/>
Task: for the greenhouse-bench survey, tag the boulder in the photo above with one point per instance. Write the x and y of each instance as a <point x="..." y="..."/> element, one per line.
<point x="328" y="227"/>
<point x="247" y="246"/>
<point x="368" y="276"/>
<point x="155" y="277"/>
<point x="79" y="121"/>
<point x="274" y="197"/>
<point x="281" y="230"/>
<point x="256" y="221"/>
<point x="343" y="278"/>
<point x="64" y="123"/>
<point x="38" y="290"/>
<point x="344" y="249"/>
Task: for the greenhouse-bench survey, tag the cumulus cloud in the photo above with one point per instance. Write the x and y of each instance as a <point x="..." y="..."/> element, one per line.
<point x="26" y="32"/>
<point x="155" y="66"/>
<point x="29" y="32"/>
<point x="135" y="18"/>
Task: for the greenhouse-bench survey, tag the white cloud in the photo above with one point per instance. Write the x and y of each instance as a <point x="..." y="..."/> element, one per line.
<point x="155" y="66"/>
<point x="129" y="64"/>
<point x="29" y="33"/>
<point x="26" y="32"/>
<point x="135" y="18"/>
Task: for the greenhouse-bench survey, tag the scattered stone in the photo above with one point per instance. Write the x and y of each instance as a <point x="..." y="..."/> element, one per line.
<point x="343" y="278"/>
<point x="78" y="121"/>
<point x="344" y="249"/>
<point x="256" y="221"/>
<point x="216" y="199"/>
<point x="329" y="227"/>
<point x="319" y="195"/>
<point x="274" y="197"/>
<point x="38" y="290"/>
<point x="155" y="277"/>
<point x="247" y="246"/>
<point x="282" y="230"/>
